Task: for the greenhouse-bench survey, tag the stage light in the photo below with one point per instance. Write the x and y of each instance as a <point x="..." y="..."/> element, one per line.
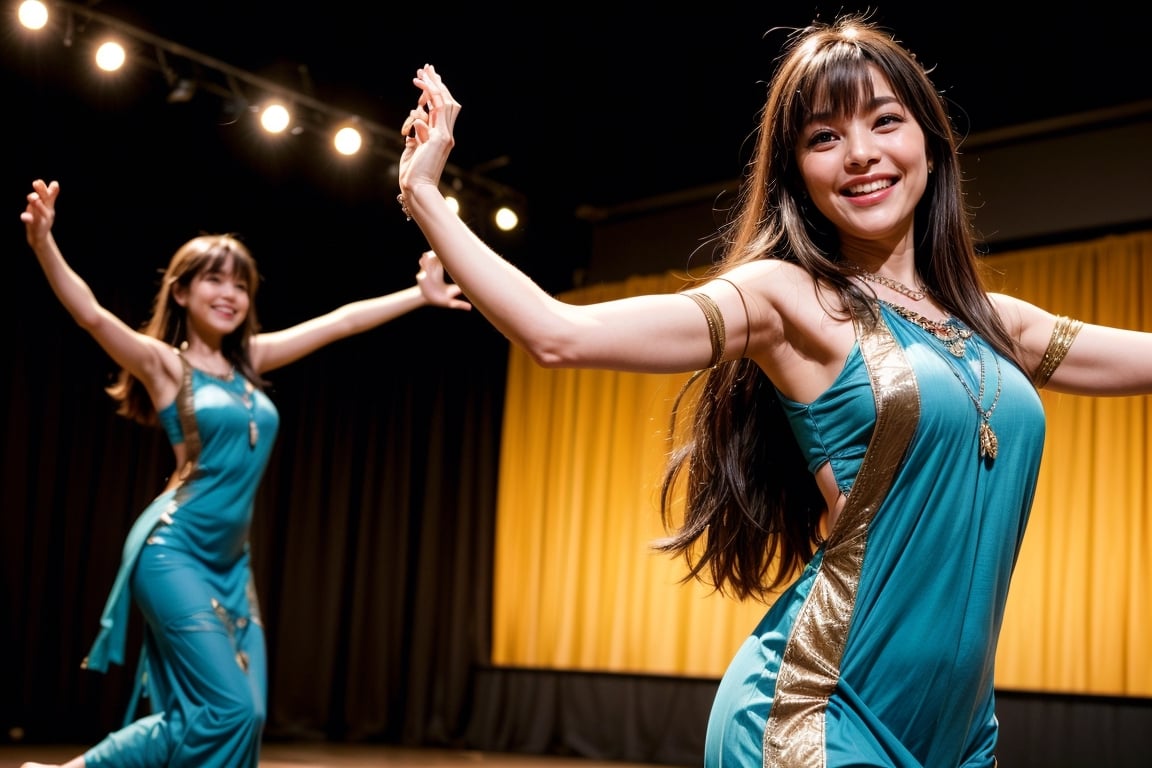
<point x="506" y="218"/>
<point x="347" y="140"/>
<point x="33" y="14"/>
<point x="275" y="118"/>
<point x="110" y="56"/>
<point x="190" y="74"/>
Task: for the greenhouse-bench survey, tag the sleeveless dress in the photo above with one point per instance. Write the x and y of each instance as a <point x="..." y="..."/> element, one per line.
<point x="186" y="565"/>
<point x="881" y="653"/>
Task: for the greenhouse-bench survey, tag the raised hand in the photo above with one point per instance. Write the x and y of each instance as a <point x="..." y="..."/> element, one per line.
<point x="40" y="213"/>
<point x="435" y="288"/>
<point x="428" y="137"/>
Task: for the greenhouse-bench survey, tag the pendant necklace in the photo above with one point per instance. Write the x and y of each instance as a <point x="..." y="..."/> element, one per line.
<point x="953" y="336"/>
<point x="246" y="398"/>
<point x="228" y="384"/>
<point x="876" y="277"/>
<point x="249" y="402"/>
<point x="989" y="444"/>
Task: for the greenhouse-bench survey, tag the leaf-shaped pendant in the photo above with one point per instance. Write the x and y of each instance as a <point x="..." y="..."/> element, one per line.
<point x="254" y="433"/>
<point x="989" y="445"/>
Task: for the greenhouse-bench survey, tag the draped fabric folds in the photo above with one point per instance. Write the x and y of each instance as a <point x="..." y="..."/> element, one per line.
<point x="576" y="586"/>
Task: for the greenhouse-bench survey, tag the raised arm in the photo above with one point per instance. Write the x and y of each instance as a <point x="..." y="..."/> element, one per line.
<point x="651" y="333"/>
<point x="143" y="356"/>
<point x="278" y="348"/>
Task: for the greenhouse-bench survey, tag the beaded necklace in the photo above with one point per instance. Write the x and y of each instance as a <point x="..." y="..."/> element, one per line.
<point x="953" y="336"/>
<point x="949" y="332"/>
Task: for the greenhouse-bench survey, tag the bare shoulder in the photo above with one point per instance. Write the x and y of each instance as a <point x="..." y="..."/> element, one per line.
<point x="1019" y="316"/>
<point x="784" y="288"/>
<point x="778" y="287"/>
<point x="164" y="381"/>
<point x="796" y="337"/>
<point x="770" y="275"/>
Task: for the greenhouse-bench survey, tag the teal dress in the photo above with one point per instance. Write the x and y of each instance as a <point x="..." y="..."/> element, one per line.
<point x="882" y="652"/>
<point x="202" y="669"/>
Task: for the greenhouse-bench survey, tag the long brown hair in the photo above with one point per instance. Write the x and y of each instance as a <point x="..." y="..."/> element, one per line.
<point x="752" y="508"/>
<point x="205" y="253"/>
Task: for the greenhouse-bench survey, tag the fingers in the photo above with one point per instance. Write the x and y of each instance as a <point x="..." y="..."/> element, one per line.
<point x="434" y="107"/>
<point x="408" y="130"/>
<point x="44" y="193"/>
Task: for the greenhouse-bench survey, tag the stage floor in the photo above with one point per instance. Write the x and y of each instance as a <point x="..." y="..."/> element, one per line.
<point x="347" y="756"/>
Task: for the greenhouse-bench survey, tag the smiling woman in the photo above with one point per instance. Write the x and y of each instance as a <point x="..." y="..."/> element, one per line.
<point x="195" y="370"/>
<point x="862" y="445"/>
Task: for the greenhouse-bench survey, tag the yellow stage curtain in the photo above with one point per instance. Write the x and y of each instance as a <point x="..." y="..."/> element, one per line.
<point x="577" y="586"/>
<point x="1079" y="615"/>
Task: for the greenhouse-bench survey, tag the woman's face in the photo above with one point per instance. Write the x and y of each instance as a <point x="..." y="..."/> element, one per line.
<point x="216" y="301"/>
<point x="866" y="171"/>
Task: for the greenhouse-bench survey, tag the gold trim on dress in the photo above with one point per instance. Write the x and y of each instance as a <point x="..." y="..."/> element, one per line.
<point x="794" y="734"/>
<point x="186" y="410"/>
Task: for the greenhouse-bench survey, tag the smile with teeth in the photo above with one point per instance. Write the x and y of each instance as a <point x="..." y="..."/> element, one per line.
<point x="872" y="186"/>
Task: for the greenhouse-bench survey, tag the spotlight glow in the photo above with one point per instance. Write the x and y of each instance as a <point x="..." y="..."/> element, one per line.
<point x="347" y="141"/>
<point x="506" y="219"/>
<point x="33" y="14"/>
<point x="110" y="56"/>
<point x="275" y="118"/>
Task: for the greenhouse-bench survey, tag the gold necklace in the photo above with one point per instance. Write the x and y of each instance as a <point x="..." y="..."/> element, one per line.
<point x="249" y="401"/>
<point x="246" y="397"/>
<point x="989" y="444"/>
<point x="953" y="336"/>
<point x="896" y="285"/>
<point x="949" y="333"/>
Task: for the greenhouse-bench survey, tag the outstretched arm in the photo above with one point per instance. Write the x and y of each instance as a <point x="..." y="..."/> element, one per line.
<point x="663" y="333"/>
<point x="142" y="355"/>
<point x="278" y="348"/>
<point x="1097" y="360"/>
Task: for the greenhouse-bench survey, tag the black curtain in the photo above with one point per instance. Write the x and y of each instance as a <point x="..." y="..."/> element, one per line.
<point x="372" y="539"/>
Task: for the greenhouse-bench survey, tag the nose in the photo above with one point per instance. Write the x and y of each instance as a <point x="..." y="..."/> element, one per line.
<point x="229" y="288"/>
<point x="861" y="145"/>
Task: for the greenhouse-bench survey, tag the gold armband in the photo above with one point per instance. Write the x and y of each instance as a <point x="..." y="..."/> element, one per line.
<point x="715" y="322"/>
<point x="1063" y="334"/>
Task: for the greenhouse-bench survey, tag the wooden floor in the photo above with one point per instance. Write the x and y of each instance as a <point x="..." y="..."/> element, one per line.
<point x="345" y="756"/>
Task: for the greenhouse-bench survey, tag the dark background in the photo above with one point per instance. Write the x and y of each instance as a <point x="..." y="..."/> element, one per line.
<point x="374" y="528"/>
<point x="588" y="105"/>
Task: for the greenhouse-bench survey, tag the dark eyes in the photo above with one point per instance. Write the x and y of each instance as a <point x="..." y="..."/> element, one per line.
<point x="216" y="277"/>
<point x="821" y="137"/>
<point x="828" y="135"/>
